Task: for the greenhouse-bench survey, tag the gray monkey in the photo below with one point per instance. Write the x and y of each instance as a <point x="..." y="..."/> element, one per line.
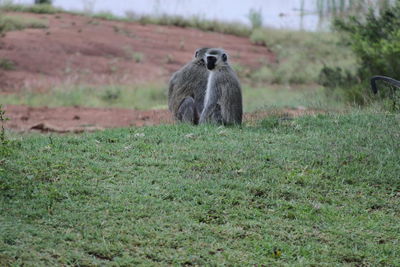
<point x="223" y="98"/>
<point x="187" y="88"/>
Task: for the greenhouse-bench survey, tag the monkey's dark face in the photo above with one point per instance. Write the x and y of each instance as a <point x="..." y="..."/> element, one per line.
<point x="215" y="58"/>
<point x="211" y="62"/>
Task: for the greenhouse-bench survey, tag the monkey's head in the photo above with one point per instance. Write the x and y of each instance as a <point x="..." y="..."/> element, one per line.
<point x="199" y="56"/>
<point x="200" y="52"/>
<point x="215" y="57"/>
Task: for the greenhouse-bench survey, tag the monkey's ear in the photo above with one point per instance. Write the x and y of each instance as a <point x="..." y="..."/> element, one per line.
<point x="196" y="54"/>
<point x="224" y="57"/>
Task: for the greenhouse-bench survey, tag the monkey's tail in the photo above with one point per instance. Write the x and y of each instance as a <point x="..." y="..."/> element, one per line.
<point x="383" y="78"/>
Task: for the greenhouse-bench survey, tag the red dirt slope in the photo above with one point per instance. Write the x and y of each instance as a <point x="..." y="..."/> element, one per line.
<point x="78" y="49"/>
<point x="81" y="50"/>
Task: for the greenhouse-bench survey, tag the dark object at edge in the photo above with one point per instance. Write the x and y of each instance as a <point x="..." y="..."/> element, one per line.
<point x="383" y="78"/>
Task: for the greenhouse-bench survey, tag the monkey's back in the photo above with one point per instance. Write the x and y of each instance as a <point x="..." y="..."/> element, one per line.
<point x="230" y="92"/>
<point x="190" y="80"/>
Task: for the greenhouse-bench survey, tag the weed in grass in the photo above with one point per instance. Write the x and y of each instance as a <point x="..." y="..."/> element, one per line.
<point x="138" y="57"/>
<point x="6" y="64"/>
<point x="111" y="94"/>
<point x="169" y="59"/>
<point x="182" y="45"/>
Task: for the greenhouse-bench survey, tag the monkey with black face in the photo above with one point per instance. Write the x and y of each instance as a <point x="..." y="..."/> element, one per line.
<point x="223" y="99"/>
<point x="187" y="88"/>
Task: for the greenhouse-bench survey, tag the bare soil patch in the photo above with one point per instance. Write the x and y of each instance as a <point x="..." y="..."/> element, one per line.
<point x="82" y="50"/>
<point x="81" y="119"/>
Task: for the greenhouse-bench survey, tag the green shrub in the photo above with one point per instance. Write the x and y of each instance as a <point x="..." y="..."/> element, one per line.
<point x="255" y="17"/>
<point x="300" y="55"/>
<point x="6" y="64"/>
<point x="375" y="41"/>
<point x="41" y="2"/>
<point x="193" y="22"/>
<point x="15" y="23"/>
<point x="39" y="9"/>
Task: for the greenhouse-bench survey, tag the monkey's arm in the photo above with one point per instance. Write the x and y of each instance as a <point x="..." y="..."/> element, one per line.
<point x="171" y="87"/>
<point x="383" y="78"/>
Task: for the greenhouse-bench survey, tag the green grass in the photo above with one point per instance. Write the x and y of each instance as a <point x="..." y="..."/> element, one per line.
<point x="300" y="55"/>
<point x="179" y="21"/>
<point x="40" y="9"/>
<point x="149" y="96"/>
<point x="106" y="15"/>
<point x="154" y="96"/>
<point x="6" y="64"/>
<point x="278" y="96"/>
<point x="319" y="191"/>
<point x="16" y="23"/>
<point x="197" y="22"/>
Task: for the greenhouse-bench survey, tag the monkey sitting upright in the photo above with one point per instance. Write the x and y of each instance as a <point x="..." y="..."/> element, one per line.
<point x="187" y="88"/>
<point x="223" y="99"/>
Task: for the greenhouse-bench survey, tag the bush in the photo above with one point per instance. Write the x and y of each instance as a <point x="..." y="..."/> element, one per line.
<point x="300" y="55"/>
<point x="46" y="2"/>
<point x="255" y="17"/>
<point x="39" y="9"/>
<point x="6" y="64"/>
<point x="16" y="23"/>
<point x="375" y="41"/>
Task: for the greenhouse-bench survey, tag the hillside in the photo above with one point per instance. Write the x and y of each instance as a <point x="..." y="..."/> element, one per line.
<point x="72" y="51"/>
<point x="77" y="49"/>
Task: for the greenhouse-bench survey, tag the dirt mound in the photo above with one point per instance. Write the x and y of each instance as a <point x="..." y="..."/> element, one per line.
<point x="82" y="50"/>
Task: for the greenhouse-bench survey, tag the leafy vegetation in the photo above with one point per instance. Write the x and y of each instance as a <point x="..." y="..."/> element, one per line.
<point x="193" y="22"/>
<point x="340" y="8"/>
<point x="300" y="55"/>
<point x="41" y="2"/>
<point x="15" y="23"/>
<point x="40" y="9"/>
<point x="375" y="41"/>
<point x="317" y="190"/>
<point x="6" y="64"/>
<point x="256" y="19"/>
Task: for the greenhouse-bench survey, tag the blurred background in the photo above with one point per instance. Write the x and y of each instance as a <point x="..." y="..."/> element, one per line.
<point x="292" y="56"/>
<point x="290" y="14"/>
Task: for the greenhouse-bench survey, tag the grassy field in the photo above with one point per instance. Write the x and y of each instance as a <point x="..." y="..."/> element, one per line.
<point x="154" y="96"/>
<point x="314" y="191"/>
